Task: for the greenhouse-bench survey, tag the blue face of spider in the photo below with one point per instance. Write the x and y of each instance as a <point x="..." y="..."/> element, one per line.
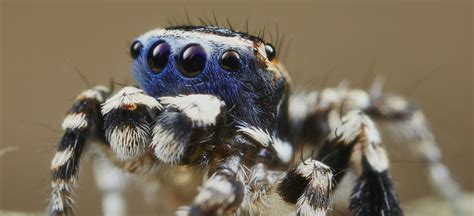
<point x="239" y="68"/>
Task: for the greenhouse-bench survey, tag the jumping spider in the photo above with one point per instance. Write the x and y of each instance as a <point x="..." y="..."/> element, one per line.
<point x="219" y="100"/>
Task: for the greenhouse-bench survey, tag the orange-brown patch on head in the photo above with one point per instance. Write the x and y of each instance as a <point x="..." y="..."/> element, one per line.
<point x="130" y="107"/>
<point x="271" y="66"/>
<point x="282" y="69"/>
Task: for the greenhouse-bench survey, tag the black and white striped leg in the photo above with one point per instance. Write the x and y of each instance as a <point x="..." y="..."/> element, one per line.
<point x="187" y="121"/>
<point x="302" y="190"/>
<point x="128" y="117"/>
<point x="82" y="122"/>
<point x="356" y="144"/>
<point x="408" y="125"/>
<point x="222" y="192"/>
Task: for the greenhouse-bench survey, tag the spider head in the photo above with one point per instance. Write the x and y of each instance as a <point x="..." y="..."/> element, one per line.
<point x="240" y="69"/>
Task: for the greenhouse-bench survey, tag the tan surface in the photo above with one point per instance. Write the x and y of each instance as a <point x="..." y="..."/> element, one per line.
<point x="41" y="43"/>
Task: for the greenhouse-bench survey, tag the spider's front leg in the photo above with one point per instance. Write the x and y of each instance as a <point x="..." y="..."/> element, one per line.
<point x="128" y="116"/>
<point x="125" y="118"/>
<point x="183" y="134"/>
<point x="356" y="145"/>
<point x="81" y="123"/>
<point x="187" y="123"/>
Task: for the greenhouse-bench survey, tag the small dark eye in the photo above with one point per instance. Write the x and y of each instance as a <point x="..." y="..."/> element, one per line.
<point x="192" y="60"/>
<point x="270" y="51"/>
<point x="135" y="49"/>
<point x="158" y="56"/>
<point x="230" y="60"/>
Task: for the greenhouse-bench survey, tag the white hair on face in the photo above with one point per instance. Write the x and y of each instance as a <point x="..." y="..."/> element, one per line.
<point x="61" y="158"/>
<point x="209" y="41"/>
<point x="128" y="142"/>
<point x="167" y="147"/>
<point x="203" y="110"/>
<point x="189" y="35"/>
<point x="75" y="121"/>
<point x="130" y="96"/>
<point x="283" y="149"/>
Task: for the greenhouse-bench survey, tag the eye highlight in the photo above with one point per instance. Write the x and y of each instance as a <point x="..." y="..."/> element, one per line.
<point x="136" y="49"/>
<point x="230" y="60"/>
<point x="192" y="60"/>
<point x="158" y="56"/>
<point x="270" y="51"/>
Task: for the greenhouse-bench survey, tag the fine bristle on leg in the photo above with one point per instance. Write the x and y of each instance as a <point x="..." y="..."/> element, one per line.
<point x="356" y="145"/>
<point x="81" y="120"/>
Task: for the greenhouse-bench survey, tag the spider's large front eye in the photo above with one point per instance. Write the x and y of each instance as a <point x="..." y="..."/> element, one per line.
<point x="270" y="51"/>
<point x="230" y="60"/>
<point x="192" y="60"/>
<point x="135" y="49"/>
<point x="158" y="55"/>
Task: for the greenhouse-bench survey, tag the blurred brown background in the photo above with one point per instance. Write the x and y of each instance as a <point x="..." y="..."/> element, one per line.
<point x="42" y="42"/>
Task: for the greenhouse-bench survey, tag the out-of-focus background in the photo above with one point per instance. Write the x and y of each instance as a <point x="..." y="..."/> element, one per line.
<point x="423" y="48"/>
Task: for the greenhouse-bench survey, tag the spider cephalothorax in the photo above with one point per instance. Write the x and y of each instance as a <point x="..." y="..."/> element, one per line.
<point x="235" y="67"/>
<point x="217" y="99"/>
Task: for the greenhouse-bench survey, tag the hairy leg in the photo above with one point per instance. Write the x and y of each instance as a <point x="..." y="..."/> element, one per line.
<point x="186" y="128"/>
<point x="82" y="122"/>
<point x="222" y="192"/>
<point x="187" y="123"/>
<point x="128" y="116"/>
<point x="302" y="190"/>
<point x="409" y="125"/>
<point x="356" y="145"/>
<point x="123" y="120"/>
